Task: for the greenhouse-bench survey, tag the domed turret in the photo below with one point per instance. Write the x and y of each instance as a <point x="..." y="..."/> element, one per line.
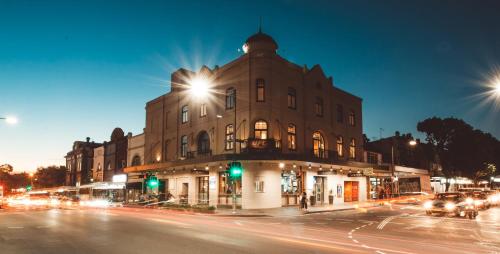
<point x="260" y="41"/>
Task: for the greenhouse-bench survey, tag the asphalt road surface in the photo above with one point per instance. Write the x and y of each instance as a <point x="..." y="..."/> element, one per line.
<point x="394" y="229"/>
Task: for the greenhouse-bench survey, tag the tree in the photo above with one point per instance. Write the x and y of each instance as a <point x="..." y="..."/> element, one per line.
<point x="51" y="176"/>
<point x="489" y="170"/>
<point x="459" y="148"/>
<point x="6" y="168"/>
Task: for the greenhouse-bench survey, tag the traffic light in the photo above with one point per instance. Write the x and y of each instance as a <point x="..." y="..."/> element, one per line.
<point x="152" y="181"/>
<point x="235" y="169"/>
<point x="29" y="187"/>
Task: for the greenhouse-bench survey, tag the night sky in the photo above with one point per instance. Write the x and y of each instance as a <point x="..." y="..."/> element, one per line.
<point x="70" y="70"/>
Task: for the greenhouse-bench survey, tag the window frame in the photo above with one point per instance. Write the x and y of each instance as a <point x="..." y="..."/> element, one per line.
<point x="230" y="98"/>
<point x="261" y="130"/>
<point x="319" y="107"/>
<point x="184" y="146"/>
<point x="203" y="110"/>
<point x="260" y="85"/>
<point x="321" y="145"/>
<point x="352" y="118"/>
<point x="352" y="149"/>
<point x="229" y="137"/>
<point x="340" y="146"/>
<point x="292" y="98"/>
<point x="292" y="137"/>
<point x="185" y="114"/>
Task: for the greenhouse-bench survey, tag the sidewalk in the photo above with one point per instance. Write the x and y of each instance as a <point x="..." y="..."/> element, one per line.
<point x="293" y="210"/>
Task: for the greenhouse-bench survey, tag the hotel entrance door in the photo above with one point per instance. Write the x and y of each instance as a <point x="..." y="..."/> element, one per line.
<point x="319" y="190"/>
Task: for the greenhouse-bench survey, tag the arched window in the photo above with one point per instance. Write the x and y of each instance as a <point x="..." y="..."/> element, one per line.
<point x="260" y="129"/>
<point x="340" y="146"/>
<point x="136" y="160"/>
<point x="229" y="137"/>
<point x="261" y="90"/>
<point x="292" y="137"/>
<point x="185" y="114"/>
<point x="352" y="149"/>
<point x="230" y="98"/>
<point x="318" y="145"/>
<point x="184" y="146"/>
<point x="109" y="166"/>
<point x="203" y="143"/>
<point x="99" y="168"/>
<point x="352" y="118"/>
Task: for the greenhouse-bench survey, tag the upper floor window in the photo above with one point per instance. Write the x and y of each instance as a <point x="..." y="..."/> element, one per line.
<point x="340" y="146"/>
<point x="184" y="146"/>
<point x="260" y="129"/>
<point x="352" y="149"/>
<point x="230" y="98"/>
<point x="340" y="113"/>
<point x="318" y="145"/>
<point x="352" y="118"/>
<point x="99" y="168"/>
<point x="185" y="114"/>
<point x="203" y="110"/>
<point x="292" y="98"/>
<point x="136" y="161"/>
<point x="318" y="106"/>
<point x="292" y="137"/>
<point x="229" y="137"/>
<point x="261" y="93"/>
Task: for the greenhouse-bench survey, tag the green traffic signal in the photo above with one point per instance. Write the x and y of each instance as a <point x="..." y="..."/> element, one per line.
<point x="152" y="182"/>
<point x="235" y="169"/>
<point x="29" y="187"/>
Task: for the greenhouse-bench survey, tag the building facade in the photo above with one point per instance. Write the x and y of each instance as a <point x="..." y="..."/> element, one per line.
<point x="79" y="162"/>
<point x="115" y="154"/>
<point x="291" y="128"/>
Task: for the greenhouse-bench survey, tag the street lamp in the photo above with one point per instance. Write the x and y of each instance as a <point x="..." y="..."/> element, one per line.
<point x="31" y="178"/>
<point x="9" y="119"/>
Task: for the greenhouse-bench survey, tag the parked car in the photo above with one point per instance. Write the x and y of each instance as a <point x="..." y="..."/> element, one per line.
<point x="451" y="203"/>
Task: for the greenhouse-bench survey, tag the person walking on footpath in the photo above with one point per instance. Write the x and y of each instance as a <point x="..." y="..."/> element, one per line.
<point x="303" y="201"/>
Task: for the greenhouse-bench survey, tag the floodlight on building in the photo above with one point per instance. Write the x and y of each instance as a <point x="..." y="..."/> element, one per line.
<point x="412" y="142"/>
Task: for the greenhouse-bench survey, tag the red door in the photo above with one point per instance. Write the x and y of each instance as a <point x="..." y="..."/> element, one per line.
<point x="347" y="191"/>
<point x="355" y="191"/>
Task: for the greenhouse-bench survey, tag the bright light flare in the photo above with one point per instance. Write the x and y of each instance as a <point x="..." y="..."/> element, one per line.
<point x="428" y="205"/>
<point x="199" y="87"/>
<point x="11" y="120"/>
<point x="413" y="142"/>
<point x="450" y="206"/>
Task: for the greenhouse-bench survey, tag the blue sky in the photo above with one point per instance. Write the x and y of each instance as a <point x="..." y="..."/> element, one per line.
<point x="76" y="69"/>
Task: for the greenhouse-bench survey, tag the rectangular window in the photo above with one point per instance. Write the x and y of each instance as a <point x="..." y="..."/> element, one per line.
<point x="203" y="110"/>
<point x="340" y="113"/>
<point x="292" y="99"/>
<point x="260" y="90"/>
<point x="230" y="98"/>
<point x="184" y="146"/>
<point x="185" y="114"/>
<point x="259" y="184"/>
<point x="229" y="137"/>
<point x="318" y="107"/>
<point x="292" y="138"/>
<point x="352" y="119"/>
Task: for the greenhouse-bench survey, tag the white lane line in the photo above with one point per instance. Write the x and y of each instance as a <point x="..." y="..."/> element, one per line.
<point x="320" y="223"/>
<point x="15" y="227"/>
<point x="356" y="241"/>
<point x="238" y="223"/>
<point x="384" y="222"/>
<point x="380" y="252"/>
<point x="365" y="246"/>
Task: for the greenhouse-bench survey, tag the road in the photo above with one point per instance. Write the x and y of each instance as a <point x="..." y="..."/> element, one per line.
<point x="388" y="229"/>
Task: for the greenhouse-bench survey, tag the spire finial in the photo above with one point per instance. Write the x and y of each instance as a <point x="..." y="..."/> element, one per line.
<point x="260" y="24"/>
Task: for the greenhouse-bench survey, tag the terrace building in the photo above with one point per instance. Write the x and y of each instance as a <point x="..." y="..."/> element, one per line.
<point x="290" y="126"/>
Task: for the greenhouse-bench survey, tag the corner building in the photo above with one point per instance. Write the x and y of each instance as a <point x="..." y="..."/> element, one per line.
<point x="291" y="128"/>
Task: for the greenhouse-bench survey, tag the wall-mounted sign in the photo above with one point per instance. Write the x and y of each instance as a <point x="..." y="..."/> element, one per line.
<point x="121" y="178"/>
<point x="212" y="184"/>
<point x="261" y="144"/>
<point x="339" y="191"/>
<point x="355" y="175"/>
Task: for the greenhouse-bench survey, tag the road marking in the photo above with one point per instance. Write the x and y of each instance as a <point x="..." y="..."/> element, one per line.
<point x="384" y="222"/>
<point x="344" y="220"/>
<point x="238" y="223"/>
<point x="320" y="223"/>
<point x="365" y="246"/>
<point x="380" y="252"/>
<point x="356" y="241"/>
<point x="15" y="227"/>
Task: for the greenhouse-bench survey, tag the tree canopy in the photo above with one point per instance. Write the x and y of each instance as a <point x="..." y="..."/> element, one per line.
<point x="460" y="149"/>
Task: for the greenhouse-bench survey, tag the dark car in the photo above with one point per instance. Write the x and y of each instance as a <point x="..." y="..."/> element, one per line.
<point x="451" y="203"/>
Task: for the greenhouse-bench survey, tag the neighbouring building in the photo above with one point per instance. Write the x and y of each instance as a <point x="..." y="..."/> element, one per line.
<point x="115" y="154"/>
<point x="79" y="162"/>
<point x="290" y="126"/>
<point x="97" y="169"/>
<point x="135" y="157"/>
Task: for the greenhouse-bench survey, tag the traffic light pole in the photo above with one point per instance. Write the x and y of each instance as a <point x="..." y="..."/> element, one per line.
<point x="234" y="152"/>
<point x="234" y="196"/>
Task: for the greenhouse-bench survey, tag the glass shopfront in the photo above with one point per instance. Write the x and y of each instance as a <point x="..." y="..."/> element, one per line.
<point x="291" y="187"/>
<point x="226" y="188"/>
<point x="203" y="190"/>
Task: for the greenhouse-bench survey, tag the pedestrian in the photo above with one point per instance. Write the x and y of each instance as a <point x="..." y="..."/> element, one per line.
<point x="303" y="201"/>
